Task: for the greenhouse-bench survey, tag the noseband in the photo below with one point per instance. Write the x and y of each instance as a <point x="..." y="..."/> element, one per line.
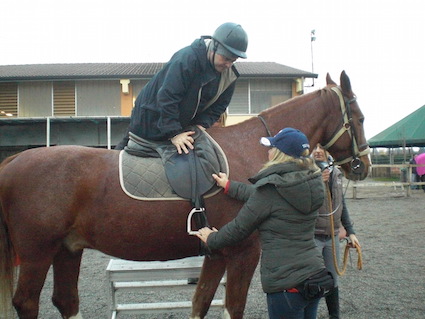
<point x="357" y="165"/>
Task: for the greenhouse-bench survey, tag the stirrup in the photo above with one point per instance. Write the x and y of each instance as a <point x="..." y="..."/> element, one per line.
<point x="189" y="218"/>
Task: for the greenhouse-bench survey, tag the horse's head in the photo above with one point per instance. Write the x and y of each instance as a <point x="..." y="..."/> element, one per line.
<point x="346" y="141"/>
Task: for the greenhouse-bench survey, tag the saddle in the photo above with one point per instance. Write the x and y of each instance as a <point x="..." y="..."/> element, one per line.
<point x="155" y="171"/>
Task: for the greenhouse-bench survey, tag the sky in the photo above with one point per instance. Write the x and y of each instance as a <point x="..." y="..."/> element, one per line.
<point x="380" y="44"/>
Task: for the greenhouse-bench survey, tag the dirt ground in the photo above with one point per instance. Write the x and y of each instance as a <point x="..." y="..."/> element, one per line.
<point x="391" y="284"/>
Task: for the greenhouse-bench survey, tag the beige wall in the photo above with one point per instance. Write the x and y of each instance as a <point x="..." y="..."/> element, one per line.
<point x="35" y="99"/>
<point x="127" y="101"/>
<point x="235" y="119"/>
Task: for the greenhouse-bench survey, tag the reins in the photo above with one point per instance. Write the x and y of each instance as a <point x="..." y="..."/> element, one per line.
<point x="265" y="124"/>
<point x="341" y="272"/>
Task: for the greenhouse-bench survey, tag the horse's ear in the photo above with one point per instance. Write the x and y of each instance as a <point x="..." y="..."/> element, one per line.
<point x="329" y="80"/>
<point x="345" y="83"/>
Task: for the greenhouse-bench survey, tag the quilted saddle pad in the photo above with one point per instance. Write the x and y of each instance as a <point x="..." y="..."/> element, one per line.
<point x="144" y="178"/>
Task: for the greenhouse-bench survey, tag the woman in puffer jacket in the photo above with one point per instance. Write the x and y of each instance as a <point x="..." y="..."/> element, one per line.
<point x="282" y="205"/>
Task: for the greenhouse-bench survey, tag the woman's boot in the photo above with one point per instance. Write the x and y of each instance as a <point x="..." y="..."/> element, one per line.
<point x="332" y="301"/>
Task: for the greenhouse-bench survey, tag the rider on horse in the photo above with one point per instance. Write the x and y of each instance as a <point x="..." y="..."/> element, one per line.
<point x="193" y="88"/>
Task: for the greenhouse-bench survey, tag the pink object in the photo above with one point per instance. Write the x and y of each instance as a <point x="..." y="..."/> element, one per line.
<point x="420" y="159"/>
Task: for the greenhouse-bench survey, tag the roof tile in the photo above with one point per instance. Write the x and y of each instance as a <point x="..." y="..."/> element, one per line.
<point x="130" y="70"/>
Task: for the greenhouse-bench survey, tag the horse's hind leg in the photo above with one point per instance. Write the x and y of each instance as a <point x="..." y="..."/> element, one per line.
<point x="30" y="282"/>
<point x="66" y="269"/>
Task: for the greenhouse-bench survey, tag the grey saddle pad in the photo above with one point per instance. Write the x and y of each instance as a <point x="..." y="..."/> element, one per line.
<point x="145" y="178"/>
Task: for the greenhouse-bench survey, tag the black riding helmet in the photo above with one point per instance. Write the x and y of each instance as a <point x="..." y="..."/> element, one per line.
<point x="232" y="37"/>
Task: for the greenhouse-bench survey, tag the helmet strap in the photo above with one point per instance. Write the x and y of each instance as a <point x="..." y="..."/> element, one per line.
<point x="214" y="45"/>
<point x="213" y="60"/>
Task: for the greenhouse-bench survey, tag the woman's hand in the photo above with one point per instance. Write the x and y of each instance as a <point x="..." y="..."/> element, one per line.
<point x="354" y="241"/>
<point x="221" y="179"/>
<point x="204" y="233"/>
<point x="183" y="141"/>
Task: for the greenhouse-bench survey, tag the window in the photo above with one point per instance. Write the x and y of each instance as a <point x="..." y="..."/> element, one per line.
<point x="268" y="92"/>
<point x="8" y="99"/>
<point x="64" y="98"/>
<point x="255" y="95"/>
<point x="240" y="100"/>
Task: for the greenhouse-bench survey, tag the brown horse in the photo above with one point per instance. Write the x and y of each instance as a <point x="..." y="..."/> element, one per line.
<point x="56" y="201"/>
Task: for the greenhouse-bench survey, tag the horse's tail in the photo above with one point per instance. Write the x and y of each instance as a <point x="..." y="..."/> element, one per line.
<point x="7" y="260"/>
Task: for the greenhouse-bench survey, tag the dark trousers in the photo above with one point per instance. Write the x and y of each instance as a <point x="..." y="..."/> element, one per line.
<point x="290" y="305"/>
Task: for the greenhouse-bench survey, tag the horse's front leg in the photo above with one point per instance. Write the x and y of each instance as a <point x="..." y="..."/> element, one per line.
<point x="241" y="262"/>
<point x="212" y="272"/>
<point x="66" y="269"/>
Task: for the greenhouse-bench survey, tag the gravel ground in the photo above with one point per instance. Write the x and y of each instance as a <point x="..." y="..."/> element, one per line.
<point x="390" y="285"/>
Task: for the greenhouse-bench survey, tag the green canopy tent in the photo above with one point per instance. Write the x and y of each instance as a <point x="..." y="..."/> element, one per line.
<point x="408" y="132"/>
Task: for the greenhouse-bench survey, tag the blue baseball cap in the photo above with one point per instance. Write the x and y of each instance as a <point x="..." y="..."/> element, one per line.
<point x="290" y="141"/>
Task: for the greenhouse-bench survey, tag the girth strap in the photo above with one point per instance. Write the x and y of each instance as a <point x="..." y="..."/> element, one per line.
<point x="196" y="197"/>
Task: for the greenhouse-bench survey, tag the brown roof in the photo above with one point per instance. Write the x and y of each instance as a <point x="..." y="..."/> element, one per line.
<point x="10" y="73"/>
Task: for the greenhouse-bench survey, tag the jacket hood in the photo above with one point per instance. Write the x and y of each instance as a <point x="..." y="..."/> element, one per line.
<point x="302" y="188"/>
<point x="198" y="46"/>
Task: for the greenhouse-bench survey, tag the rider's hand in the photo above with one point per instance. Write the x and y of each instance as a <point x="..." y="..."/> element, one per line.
<point x="183" y="141"/>
<point x="221" y="179"/>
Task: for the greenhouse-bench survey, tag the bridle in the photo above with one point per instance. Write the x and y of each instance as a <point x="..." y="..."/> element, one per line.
<point x="356" y="164"/>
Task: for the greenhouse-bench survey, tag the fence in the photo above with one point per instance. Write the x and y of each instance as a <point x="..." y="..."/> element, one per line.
<point x="402" y="170"/>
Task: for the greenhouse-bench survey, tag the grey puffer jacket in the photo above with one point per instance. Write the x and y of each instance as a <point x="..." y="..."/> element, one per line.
<point x="282" y="205"/>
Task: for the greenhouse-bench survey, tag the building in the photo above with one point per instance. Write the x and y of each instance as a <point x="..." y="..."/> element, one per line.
<point x="90" y="103"/>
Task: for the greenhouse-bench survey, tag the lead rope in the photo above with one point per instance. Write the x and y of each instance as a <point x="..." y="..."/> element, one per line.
<point x="347" y="247"/>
